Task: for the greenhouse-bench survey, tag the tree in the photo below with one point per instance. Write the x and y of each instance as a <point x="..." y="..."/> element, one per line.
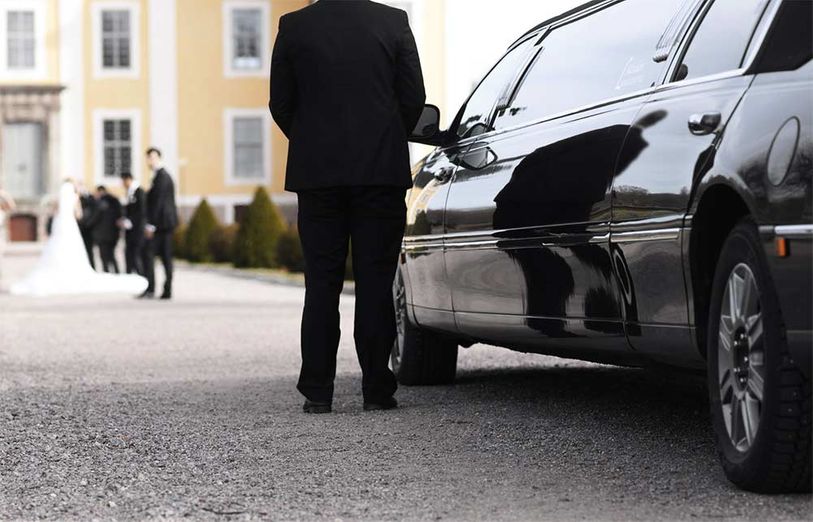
<point x="262" y="226"/>
<point x="201" y="226"/>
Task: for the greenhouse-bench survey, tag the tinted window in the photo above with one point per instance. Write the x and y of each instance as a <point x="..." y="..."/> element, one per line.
<point x="719" y="44"/>
<point x="790" y="42"/>
<point x="477" y="111"/>
<point x="606" y="54"/>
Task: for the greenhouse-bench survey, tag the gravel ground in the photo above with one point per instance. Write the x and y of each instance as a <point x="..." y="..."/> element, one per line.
<point x="117" y="409"/>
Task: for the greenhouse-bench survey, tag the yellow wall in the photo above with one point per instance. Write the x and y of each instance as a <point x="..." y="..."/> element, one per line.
<point x="115" y="93"/>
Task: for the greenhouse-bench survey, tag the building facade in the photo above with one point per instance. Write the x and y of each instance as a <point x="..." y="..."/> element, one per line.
<point x="87" y="85"/>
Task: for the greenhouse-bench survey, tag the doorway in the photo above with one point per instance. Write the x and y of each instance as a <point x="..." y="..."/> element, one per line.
<point x="23" y="155"/>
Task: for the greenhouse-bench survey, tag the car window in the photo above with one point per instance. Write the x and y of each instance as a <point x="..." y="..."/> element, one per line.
<point x="477" y="111"/>
<point x="604" y="55"/>
<point x="719" y="44"/>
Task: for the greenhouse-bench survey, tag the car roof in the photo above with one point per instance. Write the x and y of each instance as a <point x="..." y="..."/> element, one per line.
<point x="557" y="18"/>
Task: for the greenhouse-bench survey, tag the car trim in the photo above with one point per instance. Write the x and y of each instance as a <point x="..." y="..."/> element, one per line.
<point x="636" y="236"/>
<point x="789" y="231"/>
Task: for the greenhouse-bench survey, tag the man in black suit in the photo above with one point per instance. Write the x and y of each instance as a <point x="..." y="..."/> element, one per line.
<point x="105" y="222"/>
<point x="162" y="218"/>
<point x="133" y="223"/>
<point x="88" y="203"/>
<point x="347" y="89"/>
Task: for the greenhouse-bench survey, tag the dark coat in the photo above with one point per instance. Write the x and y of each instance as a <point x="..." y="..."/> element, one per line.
<point x="105" y="220"/>
<point x="136" y="211"/>
<point x="161" y="210"/>
<point x="88" y="203"/>
<point x="346" y="89"/>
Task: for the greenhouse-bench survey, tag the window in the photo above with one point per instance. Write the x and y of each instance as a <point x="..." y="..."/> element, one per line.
<point x="719" y="44"/>
<point x="117" y="143"/>
<point x="118" y="147"/>
<point x="592" y="59"/>
<point x="246" y="41"/>
<point x="248" y="133"/>
<point x="116" y="39"/>
<point x="21" y="40"/>
<point x="476" y="114"/>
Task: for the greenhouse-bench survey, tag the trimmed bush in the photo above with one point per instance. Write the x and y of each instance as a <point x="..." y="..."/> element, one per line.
<point x="262" y="226"/>
<point x="289" y="251"/>
<point x="201" y="226"/>
<point x="221" y="243"/>
<point x="178" y="240"/>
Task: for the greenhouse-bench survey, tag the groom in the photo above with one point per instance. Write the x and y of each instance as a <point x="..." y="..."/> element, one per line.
<point x="162" y="218"/>
<point x="347" y="89"/>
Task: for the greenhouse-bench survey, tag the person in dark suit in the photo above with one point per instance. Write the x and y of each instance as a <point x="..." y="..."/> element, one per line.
<point x="88" y="203"/>
<point x="133" y="223"/>
<point x="106" y="229"/>
<point x="347" y="90"/>
<point x="162" y="218"/>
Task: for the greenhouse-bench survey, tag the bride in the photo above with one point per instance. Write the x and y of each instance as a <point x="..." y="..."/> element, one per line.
<point x="63" y="268"/>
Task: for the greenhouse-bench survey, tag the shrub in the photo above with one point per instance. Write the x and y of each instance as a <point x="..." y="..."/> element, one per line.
<point x="289" y="251"/>
<point x="262" y="226"/>
<point x="178" y="239"/>
<point x="201" y="226"/>
<point x="221" y="243"/>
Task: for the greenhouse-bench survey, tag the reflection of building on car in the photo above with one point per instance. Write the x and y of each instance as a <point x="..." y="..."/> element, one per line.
<point x="634" y="198"/>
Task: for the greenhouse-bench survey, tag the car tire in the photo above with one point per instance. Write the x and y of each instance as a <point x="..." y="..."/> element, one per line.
<point x="419" y="357"/>
<point x="760" y="400"/>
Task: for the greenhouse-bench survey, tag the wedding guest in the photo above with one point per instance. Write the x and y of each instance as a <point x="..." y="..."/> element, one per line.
<point x="6" y="205"/>
<point x="88" y="203"/>
<point x="133" y="222"/>
<point x="162" y="218"/>
<point x="105" y="228"/>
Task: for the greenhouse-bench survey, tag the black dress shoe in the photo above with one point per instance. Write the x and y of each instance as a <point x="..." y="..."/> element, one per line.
<point x="166" y="296"/>
<point x="317" y="407"/>
<point x="387" y="404"/>
<point x="146" y="295"/>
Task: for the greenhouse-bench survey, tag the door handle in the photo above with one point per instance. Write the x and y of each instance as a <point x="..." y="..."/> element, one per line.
<point x="444" y="174"/>
<point x="704" y="124"/>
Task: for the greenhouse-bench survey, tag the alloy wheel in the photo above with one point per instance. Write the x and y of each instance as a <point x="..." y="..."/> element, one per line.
<point x="741" y="357"/>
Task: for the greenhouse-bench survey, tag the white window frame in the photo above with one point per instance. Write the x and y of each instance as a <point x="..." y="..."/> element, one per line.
<point x="229" y="6"/>
<point x="134" y="8"/>
<point x="229" y="115"/>
<point x="99" y="116"/>
<point x="39" y="71"/>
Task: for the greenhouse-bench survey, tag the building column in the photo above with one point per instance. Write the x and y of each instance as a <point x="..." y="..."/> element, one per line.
<point x="71" y="159"/>
<point x="163" y="81"/>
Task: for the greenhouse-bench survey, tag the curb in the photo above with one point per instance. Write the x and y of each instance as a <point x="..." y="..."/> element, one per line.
<point x="281" y="279"/>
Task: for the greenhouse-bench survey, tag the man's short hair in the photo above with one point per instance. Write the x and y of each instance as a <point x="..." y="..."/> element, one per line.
<point x="101" y="188"/>
<point x="155" y="150"/>
<point x="126" y="175"/>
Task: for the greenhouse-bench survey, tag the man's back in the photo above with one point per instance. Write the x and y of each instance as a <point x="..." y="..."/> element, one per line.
<point x="346" y="88"/>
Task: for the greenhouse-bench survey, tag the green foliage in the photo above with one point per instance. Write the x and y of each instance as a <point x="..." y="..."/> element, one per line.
<point x="221" y="243"/>
<point x="178" y="242"/>
<point x="201" y="226"/>
<point x="289" y="251"/>
<point x="262" y="226"/>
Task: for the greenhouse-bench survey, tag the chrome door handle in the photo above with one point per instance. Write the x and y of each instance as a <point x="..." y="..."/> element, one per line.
<point x="444" y="174"/>
<point x="704" y="124"/>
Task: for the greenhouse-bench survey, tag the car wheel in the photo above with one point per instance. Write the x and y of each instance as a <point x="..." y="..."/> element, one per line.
<point x="419" y="357"/>
<point x="760" y="400"/>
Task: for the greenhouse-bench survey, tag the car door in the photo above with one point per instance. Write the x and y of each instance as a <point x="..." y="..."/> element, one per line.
<point x="672" y="143"/>
<point x="429" y="291"/>
<point x="528" y="215"/>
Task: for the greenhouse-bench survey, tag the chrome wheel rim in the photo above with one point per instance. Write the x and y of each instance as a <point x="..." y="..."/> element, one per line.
<point x="741" y="357"/>
<point x="399" y="300"/>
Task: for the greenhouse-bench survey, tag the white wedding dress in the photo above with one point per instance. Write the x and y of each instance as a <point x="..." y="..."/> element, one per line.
<point x="64" y="269"/>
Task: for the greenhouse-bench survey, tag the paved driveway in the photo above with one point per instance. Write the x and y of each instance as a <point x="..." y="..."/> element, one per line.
<point x="113" y="408"/>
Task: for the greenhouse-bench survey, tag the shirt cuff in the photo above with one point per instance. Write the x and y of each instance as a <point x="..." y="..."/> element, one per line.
<point x="150" y="228"/>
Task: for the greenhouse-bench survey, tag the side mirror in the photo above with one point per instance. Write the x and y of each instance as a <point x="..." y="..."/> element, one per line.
<point x="427" y="131"/>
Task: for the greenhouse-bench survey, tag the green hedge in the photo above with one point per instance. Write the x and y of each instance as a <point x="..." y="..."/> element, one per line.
<point x="259" y="234"/>
<point x="221" y="243"/>
<point x="179" y="242"/>
<point x="289" y="251"/>
<point x="201" y="226"/>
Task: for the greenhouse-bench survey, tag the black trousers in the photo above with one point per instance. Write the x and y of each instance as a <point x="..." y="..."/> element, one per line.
<point x="87" y="239"/>
<point x="107" y="251"/>
<point x="133" y="252"/>
<point x="160" y="245"/>
<point x="373" y="218"/>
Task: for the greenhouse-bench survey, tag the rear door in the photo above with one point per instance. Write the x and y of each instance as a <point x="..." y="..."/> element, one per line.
<point x="671" y="143"/>
<point x="528" y="220"/>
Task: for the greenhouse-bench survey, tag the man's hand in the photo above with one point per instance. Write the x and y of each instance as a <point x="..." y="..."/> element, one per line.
<point x="149" y="231"/>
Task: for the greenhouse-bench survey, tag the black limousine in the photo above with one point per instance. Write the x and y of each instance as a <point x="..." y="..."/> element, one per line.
<point x="631" y="184"/>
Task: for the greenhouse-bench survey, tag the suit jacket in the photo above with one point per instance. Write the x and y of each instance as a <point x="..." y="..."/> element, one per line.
<point x="136" y="211"/>
<point x="105" y="220"/>
<point x="347" y="90"/>
<point x="88" y="203"/>
<point x="161" y="210"/>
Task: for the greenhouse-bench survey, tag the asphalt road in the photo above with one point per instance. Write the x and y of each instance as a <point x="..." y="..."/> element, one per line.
<point x="116" y="409"/>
